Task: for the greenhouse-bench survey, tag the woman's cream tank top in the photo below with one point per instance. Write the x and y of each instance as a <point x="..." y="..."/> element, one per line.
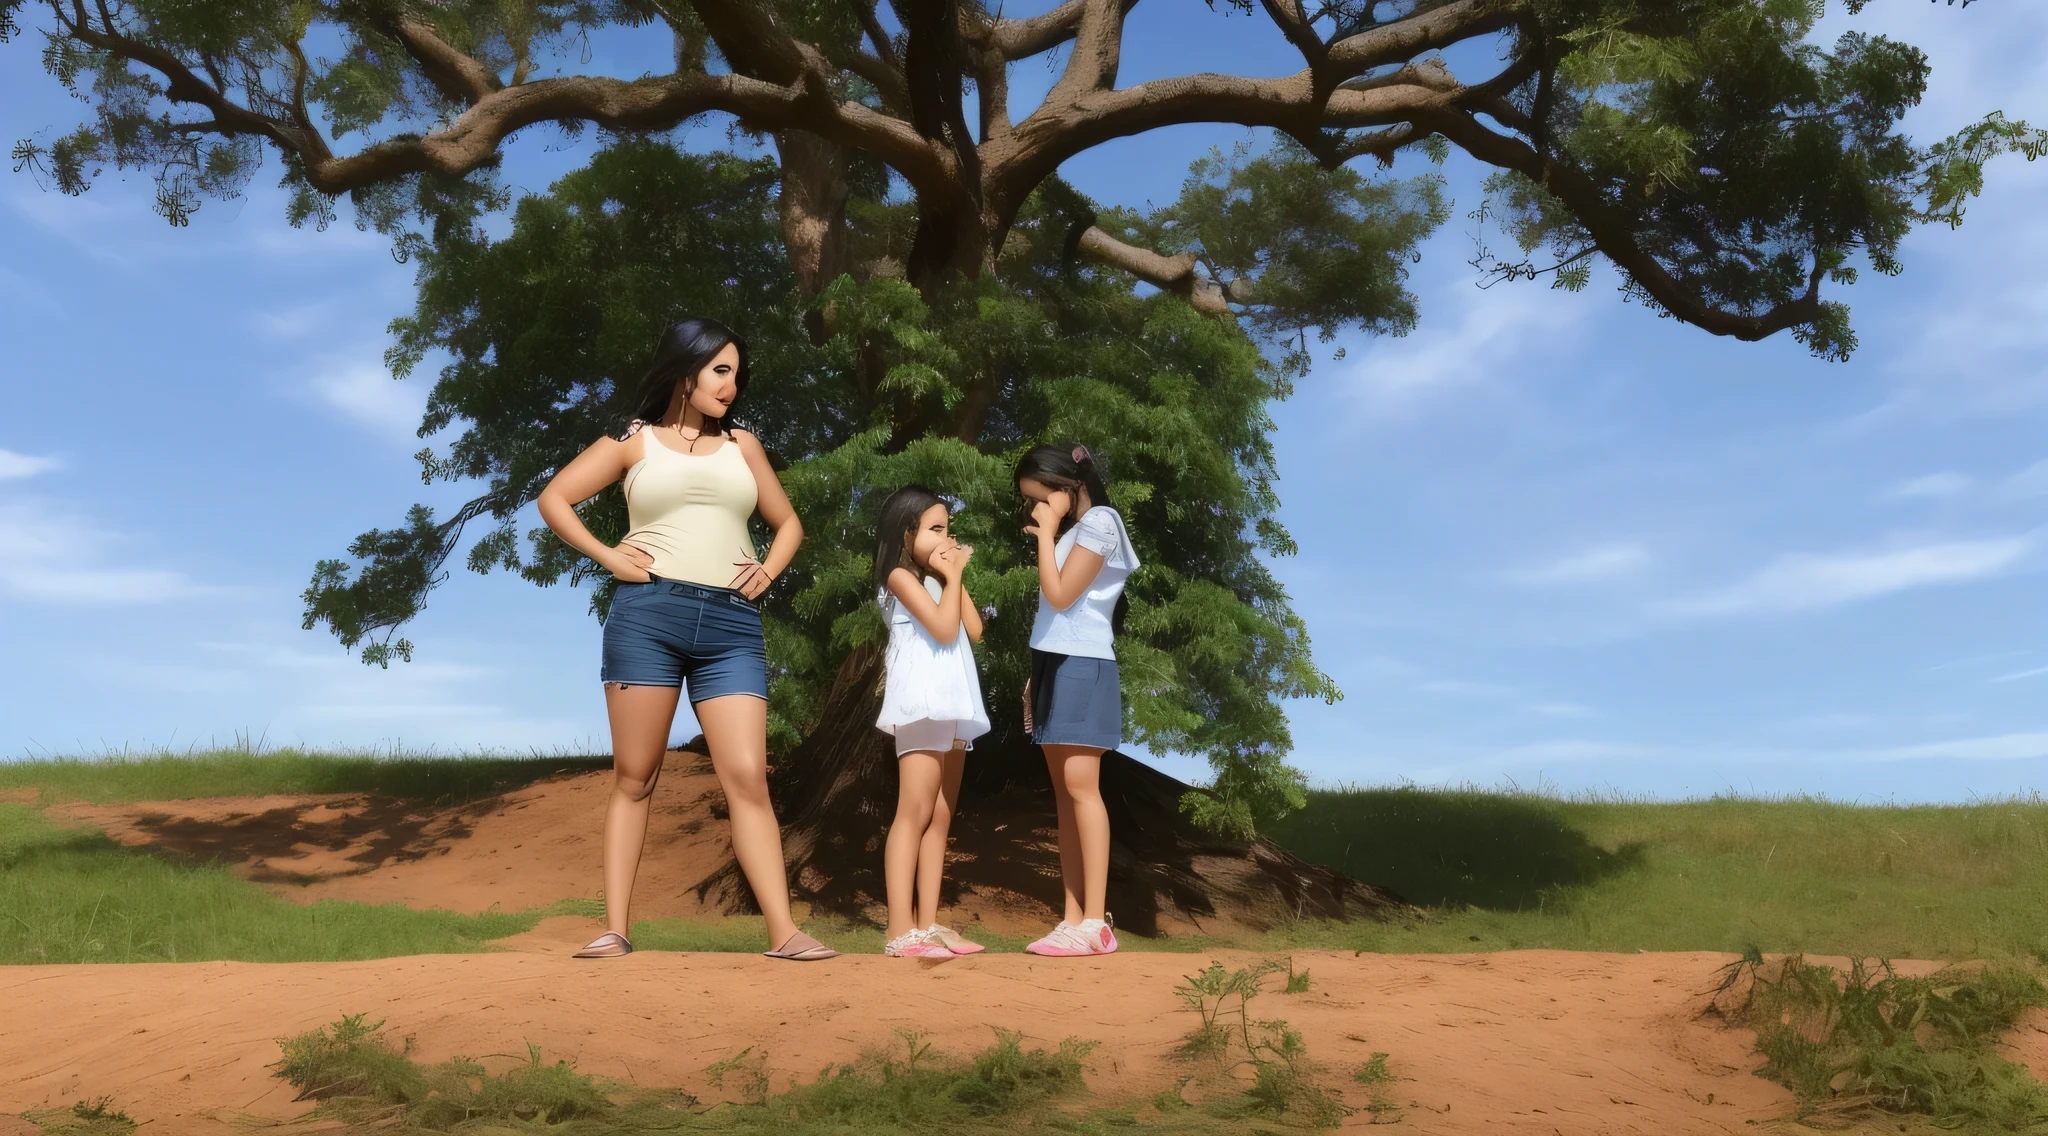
<point x="690" y="511"/>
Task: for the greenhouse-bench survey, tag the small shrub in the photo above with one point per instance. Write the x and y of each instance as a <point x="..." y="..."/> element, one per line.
<point x="1284" y="1081"/>
<point x="1297" y="981"/>
<point x="84" y="1118"/>
<point x="1875" y="1040"/>
<point x="1379" y="1083"/>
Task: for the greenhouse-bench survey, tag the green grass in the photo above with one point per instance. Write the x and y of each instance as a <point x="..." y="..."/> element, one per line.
<point x="1506" y="871"/>
<point x="1872" y="1042"/>
<point x="250" y="770"/>
<point x="73" y="895"/>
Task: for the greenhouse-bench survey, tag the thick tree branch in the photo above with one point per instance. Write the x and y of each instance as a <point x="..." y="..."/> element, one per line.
<point x="1174" y="274"/>
<point x="1432" y="30"/>
<point x="456" y="74"/>
<point x="1021" y="39"/>
<point x="1098" y="51"/>
<point x="1610" y="232"/>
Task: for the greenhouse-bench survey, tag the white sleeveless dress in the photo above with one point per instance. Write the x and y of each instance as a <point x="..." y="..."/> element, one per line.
<point x="929" y="683"/>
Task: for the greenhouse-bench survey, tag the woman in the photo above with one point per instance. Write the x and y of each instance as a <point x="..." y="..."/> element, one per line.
<point x="1073" y="702"/>
<point x="683" y="611"/>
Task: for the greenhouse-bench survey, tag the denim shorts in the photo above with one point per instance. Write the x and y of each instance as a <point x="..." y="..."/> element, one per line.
<point x="1076" y="701"/>
<point x="666" y="633"/>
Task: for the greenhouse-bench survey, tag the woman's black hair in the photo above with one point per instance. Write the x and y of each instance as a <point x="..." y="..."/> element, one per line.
<point x="685" y="349"/>
<point x="1064" y="467"/>
<point x="897" y="528"/>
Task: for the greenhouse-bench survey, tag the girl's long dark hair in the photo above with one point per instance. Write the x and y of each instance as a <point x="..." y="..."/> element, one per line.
<point x="685" y="349"/>
<point x="1060" y="468"/>
<point x="896" y="529"/>
<point x="1055" y="466"/>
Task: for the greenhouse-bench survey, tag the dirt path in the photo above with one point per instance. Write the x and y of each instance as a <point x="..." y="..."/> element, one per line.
<point x="1537" y="1042"/>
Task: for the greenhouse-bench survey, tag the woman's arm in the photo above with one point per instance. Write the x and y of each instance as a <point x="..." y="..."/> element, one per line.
<point x="602" y="463"/>
<point x="754" y="577"/>
<point x="1061" y="584"/>
<point x="941" y="617"/>
<point x="970" y="615"/>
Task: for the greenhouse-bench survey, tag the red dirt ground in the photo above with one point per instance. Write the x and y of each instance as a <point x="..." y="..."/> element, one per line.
<point x="1536" y="1042"/>
<point x="1549" y="1043"/>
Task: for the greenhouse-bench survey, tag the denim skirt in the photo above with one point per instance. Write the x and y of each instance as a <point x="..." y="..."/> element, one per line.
<point x="1076" y="701"/>
<point x="668" y="633"/>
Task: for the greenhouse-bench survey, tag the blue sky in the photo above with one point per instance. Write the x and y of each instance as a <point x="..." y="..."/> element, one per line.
<point x="1545" y="539"/>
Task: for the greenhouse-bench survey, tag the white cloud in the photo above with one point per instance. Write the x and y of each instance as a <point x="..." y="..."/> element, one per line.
<point x="367" y="393"/>
<point x="1947" y="483"/>
<point x="1467" y="689"/>
<point x="2001" y="747"/>
<point x="1491" y="339"/>
<point x="1578" y="749"/>
<point x="2029" y="482"/>
<point x="13" y="465"/>
<point x="1806" y="582"/>
<point x="54" y="557"/>
<point x="2018" y="675"/>
<point x="1607" y="562"/>
<point x="1561" y="710"/>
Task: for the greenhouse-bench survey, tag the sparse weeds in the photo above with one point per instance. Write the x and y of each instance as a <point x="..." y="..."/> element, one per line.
<point x="85" y="1118"/>
<point x="1876" y="1040"/>
<point x="1297" y="981"/>
<point x="1285" y="1083"/>
<point x="1379" y="1083"/>
<point x="360" y="1078"/>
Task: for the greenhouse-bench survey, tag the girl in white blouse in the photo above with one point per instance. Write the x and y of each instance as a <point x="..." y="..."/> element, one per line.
<point x="1073" y="704"/>
<point x="931" y="703"/>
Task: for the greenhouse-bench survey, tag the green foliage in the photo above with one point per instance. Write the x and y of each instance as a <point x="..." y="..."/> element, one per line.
<point x="1378" y="1081"/>
<point x="74" y="896"/>
<point x="1873" y="1039"/>
<point x="359" y="1076"/>
<point x="1299" y="246"/>
<point x="1747" y="161"/>
<point x="1229" y="1041"/>
<point x="96" y="1117"/>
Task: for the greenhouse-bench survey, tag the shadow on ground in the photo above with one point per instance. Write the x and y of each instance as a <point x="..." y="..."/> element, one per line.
<point x="1450" y="849"/>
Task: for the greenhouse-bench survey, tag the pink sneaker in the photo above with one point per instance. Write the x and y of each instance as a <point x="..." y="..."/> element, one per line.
<point x="915" y="944"/>
<point x="1088" y="937"/>
<point x="952" y="940"/>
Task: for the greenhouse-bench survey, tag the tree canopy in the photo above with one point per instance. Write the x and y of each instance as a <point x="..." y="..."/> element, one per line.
<point x="929" y="297"/>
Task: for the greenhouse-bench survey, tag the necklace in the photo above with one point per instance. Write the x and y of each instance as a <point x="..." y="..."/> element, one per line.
<point x="689" y="440"/>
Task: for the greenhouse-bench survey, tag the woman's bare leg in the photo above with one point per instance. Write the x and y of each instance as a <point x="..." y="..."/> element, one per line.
<point x="919" y="774"/>
<point x="736" y="730"/>
<point x="931" y="851"/>
<point x="1084" y="827"/>
<point x="641" y="717"/>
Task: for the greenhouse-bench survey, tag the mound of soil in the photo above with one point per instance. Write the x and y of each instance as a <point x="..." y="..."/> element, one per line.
<point x="1535" y="1042"/>
<point x="544" y="843"/>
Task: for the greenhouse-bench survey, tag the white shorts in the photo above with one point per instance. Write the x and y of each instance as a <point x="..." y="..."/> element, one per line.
<point x="939" y="734"/>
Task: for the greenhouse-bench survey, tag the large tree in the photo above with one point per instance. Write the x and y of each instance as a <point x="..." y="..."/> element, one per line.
<point x="930" y="297"/>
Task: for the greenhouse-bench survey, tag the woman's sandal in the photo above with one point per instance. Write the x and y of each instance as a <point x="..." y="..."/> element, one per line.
<point x="609" y="945"/>
<point x="802" y="948"/>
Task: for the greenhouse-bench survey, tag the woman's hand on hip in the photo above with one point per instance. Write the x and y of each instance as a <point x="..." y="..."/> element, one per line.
<point x="752" y="579"/>
<point x="630" y="564"/>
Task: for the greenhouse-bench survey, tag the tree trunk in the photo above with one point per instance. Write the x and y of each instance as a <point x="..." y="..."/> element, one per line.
<point x="836" y="794"/>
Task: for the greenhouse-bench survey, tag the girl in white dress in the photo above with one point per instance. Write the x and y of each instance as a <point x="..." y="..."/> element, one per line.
<point x="931" y="703"/>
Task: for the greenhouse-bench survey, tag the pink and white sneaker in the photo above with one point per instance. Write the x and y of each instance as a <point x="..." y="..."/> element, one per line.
<point x="1088" y="937"/>
<point x="952" y="940"/>
<point x="916" y="944"/>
